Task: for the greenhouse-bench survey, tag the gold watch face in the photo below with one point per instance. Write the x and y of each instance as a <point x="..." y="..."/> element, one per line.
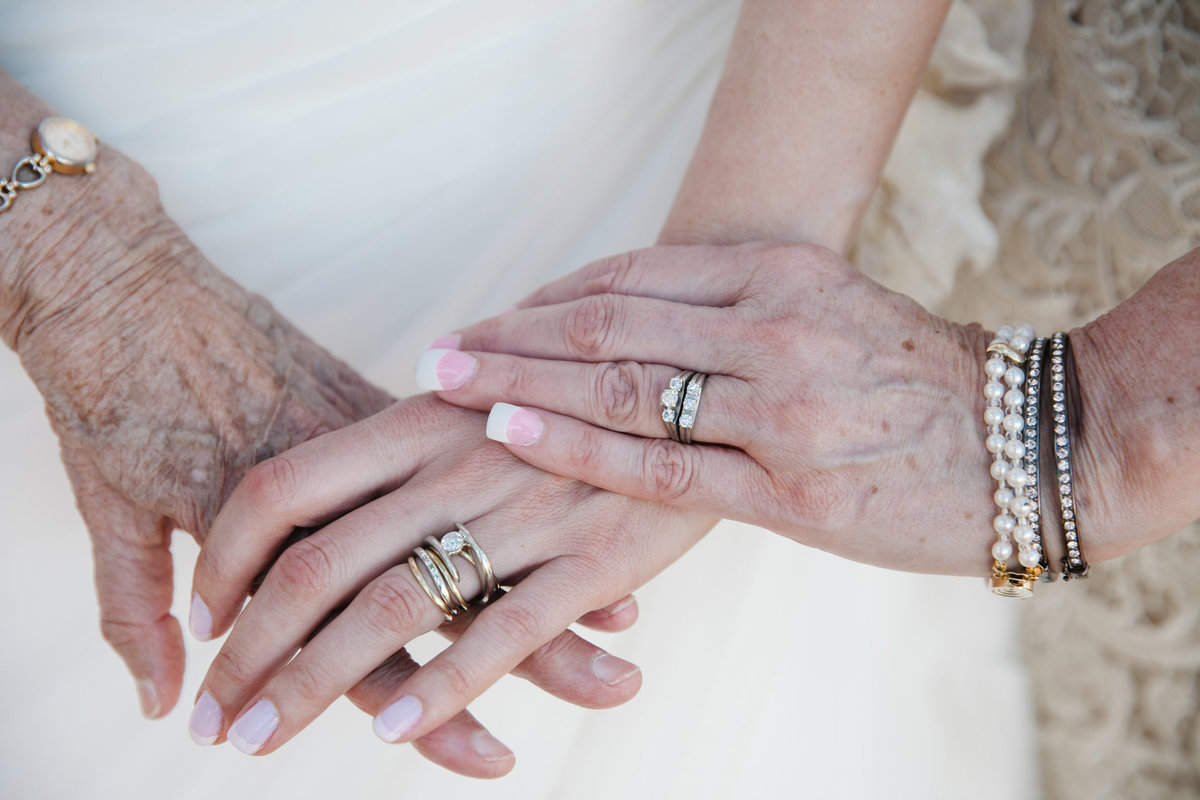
<point x="69" y="144"/>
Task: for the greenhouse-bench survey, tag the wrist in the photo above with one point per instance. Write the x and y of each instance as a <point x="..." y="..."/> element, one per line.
<point x="80" y="242"/>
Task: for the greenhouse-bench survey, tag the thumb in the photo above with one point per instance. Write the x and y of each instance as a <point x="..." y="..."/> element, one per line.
<point x="133" y="570"/>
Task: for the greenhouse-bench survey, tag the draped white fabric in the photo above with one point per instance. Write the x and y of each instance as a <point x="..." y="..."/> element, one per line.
<point x="384" y="172"/>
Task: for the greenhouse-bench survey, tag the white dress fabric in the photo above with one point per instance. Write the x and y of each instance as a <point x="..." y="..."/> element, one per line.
<point x="384" y="172"/>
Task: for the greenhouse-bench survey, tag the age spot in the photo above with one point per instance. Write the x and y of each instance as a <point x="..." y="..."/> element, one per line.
<point x="1171" y="400"/>
<point x="908" y="345"/>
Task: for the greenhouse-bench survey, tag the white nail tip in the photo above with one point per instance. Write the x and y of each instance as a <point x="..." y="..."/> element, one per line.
<point x="427" y="363"/>
<point x="497" y="423"/>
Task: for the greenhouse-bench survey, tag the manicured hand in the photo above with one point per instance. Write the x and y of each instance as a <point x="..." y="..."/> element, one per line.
<point x="836" y="412"/>
<point x="381" y="487"/>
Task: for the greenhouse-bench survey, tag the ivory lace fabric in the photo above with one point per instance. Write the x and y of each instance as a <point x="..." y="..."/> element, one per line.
<point x="1089" y="184"/>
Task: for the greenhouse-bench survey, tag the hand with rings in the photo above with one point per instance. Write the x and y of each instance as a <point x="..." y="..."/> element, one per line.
<point x="847" y="414"/>
<point x="423" y="520"/>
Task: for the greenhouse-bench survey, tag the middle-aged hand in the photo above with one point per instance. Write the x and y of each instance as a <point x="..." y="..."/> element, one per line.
<point x="849" y="416"/>
<point x="166" y="382"/>
<point x="412" y="470"/>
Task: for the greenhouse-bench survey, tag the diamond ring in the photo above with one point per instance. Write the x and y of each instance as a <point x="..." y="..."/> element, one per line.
<point x="681" y="404"/>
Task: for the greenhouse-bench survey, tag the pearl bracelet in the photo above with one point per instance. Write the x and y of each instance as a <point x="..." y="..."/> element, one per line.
<point x="1005" y="422"/>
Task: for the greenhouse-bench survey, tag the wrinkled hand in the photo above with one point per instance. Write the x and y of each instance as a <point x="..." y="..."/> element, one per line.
<point x="166" y="382"/>
<point x="850" y="416"/>
<point x="564" y="547"/>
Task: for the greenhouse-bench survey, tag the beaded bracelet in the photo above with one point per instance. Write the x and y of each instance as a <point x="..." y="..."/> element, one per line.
<point x="1062" y="380"/>
<point x="1004" y="421"/>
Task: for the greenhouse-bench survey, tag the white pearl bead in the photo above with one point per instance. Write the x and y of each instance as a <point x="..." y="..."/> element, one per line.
<point x="1014" y="376"/>
<point x="1020" y="343"/>
<point x="1023" y="534"/>
<point x="1005" y="332"/>
<point x="1021" y="506"/>
<point x="1003" y="496"/>
<point x="1002" y="550"/>
<point x="1028" y="557"/>
<point x="1014" y="398"/>
<point x="1016" y="478"/>
<point x="999" y="469"/>
<point x="1013" y="423"/>
<point x="993" y="416"/>
<point x="995" y="442"/>
<point x="1004" y="524"/>
<point x="1014" y="449"/>
<point x="994" y="368"/>
<point x="1026" y="330"/>
<point x="993" y="391"/>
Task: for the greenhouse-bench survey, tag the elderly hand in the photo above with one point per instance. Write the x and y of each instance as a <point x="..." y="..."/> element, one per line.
<point x="166" y="382"/>
<point x="410" y="472"/>
<point x="849" y="418"/>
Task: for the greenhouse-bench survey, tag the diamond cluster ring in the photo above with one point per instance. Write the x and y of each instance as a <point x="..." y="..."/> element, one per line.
<point x="681" y="403"/>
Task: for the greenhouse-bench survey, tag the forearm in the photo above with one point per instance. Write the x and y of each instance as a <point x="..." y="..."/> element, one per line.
<point x="75" y="234"/>
<point x="1139" y="376"/>
<point x="802" y="122"/>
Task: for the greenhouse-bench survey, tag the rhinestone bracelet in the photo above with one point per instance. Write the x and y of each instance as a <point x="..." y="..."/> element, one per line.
<point x="1062" y="380"/>
<point x="1005" y="422"/>
<point x="1033" y="419"/>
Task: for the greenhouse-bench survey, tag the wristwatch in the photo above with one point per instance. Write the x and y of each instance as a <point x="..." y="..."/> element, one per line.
<point x="60" y="145"/>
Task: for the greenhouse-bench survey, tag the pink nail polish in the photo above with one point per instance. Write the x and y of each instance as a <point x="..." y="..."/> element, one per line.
<point x="205" y="723"/>
<point x="514" y="425"/>
<point x="253" y="728"/>
<point x="444" y="370"/>
<point x="397" y="719"/>
<point x="200" y="619"/>
<point x="449" y="341"/>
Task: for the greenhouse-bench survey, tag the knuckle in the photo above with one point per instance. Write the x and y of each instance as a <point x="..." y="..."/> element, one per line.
<point x="554" y="652"/>
<point x="611" y="274"/>
<point x="589" y="326"/>
<point x="118" y="633"/>
<point x="393" y="606"/>
<point x="274" y="482"/>
<point x="311" y="685"/>
<point x="586" y="451"/>
<point x="823" y="500"/>
<point x="305" y="571"/>
<point x="456" y="680"/>
<point x="617" y="396"/>
<point x="669" y="470"/>
<point x="231" y="669"/>
<point x="516" y="623"/>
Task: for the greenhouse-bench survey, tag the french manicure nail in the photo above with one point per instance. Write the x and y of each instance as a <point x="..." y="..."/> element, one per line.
<point x="253" y="728"/>
<point x="488" y="747"/>
<point x="148" y="697"/>
<point x="397" y="719"/>
<point x="449" y="341"/>
<point x="205" y="723"/>
<point x="441" y="370"/>
<point x="200" y="619"/>
<point x="514" y="425"/>
<point x="613" y="670"/>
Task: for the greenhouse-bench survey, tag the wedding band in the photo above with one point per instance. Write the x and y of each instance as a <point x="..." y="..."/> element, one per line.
<point x="437" y="576"/>
<point x="681" y="404"/>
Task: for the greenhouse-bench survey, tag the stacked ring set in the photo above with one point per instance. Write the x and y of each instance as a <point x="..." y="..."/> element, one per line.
<point x="438" y="577"/>
<point x="681" y="403"/>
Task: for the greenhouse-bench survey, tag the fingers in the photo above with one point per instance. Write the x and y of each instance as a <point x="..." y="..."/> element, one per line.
<point x="131" y="548"/>
<point x="707" y="276"/>
<point x="308" y="484"/>
<point x="613" y="618"/>
<point x="613" y="327"/>
<point x="500" y="638"/>
<point x="621" y="396"/>
<point x="694" y="477"/>
<point x="462" y="744"/>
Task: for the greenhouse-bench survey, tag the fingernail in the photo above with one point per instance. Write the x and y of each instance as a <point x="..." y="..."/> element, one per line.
<point x="253" y="728"/>
<point x="613" y="670"/>
<point x="617" y="608"/>
<point x="397" y="719"/>
<point x="148" y="697"/>
<point x="200" y="619"/>
<point x="514" y="425"/>
<point x="449" y="341"/>
<point x="488" y="747"/>
<point x="442" y="370"/>
<point x="205" y="723"/>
